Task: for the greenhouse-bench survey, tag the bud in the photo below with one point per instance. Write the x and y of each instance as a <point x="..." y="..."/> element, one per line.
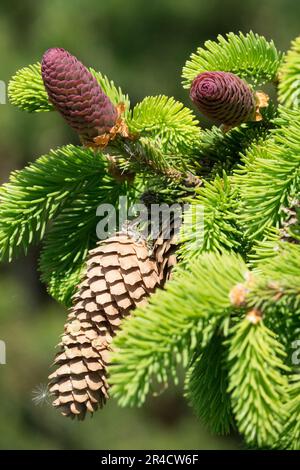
<point x="76" y="94"/>
<point x="224" y="98"/>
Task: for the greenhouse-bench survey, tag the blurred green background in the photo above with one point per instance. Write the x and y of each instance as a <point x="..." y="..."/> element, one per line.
<point x="142" y="46"/>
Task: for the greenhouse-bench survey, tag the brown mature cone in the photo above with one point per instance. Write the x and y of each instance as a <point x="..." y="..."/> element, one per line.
<point x="120" y="276"/>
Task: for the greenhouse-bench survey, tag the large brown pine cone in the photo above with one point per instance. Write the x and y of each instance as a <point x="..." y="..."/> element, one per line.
<point x="120" y="276"/>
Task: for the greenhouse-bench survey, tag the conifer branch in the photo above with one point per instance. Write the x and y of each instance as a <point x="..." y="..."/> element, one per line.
<point x="168" y="330"/>
<point x="217" y="146"/>
<point x="206" y="387"/>
<point x="279" y="279"/>
<point x="147" y="156"/>
<point x="210" y="222"/>
<point x="73" y="234"/>
<point x="270" y="176"/>
<point x="290" y="437"/>
<point x="289" y="77"/>
<point x="257" y="382"/>
<point x="166" y="120"/>
<point x="249" y="56"/>
<point x="36" y="194"/>
<point x="27" y="91"/>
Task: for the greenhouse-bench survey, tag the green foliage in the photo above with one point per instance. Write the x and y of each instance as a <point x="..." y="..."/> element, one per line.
<point x="276" y="292"/>
<point x="148" y="369"/>
<point x="158" y="337"/>
<point x="114" y="93"/>
<point x="27" y="91"/>
<point x="36" y="194"/>
<point x="147" y="156"/>
<point x="290" y="437"/>
<point x="210" y="223"/>
<point x="249" y="56"/>
<point x="62" y="283"/>
<point x="168" y="330"/>
<point x="289" y="77"/>
<point x="270" y="176"/>
<point x="279" y="279"/>
<point x="166" y="120"/>
<point x="257" y="382"/>
<point x="70" y="237"/>
<point x="206" y="387"/>
<point x="217" y="146"/>
<point x="266" y="248"/>
<point x="293" y="226"/>
<point x="73" y="234"/>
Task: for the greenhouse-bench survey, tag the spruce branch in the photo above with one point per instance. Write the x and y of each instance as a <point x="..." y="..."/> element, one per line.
<point x="264" y="249"/>
<point x="232" y="329"/>
<point x="271" y="244"/>
<point x="206" y="387"/>
<point x="27" y="91"/>
<point x="73" y="234"/>
<point x="249" y="56"/>
<point x="270" y="176"/>
<point x="166" y="120"/>
<point x="290" y="437"/>
<point x="168" y="330"/>
<point x="226" y="148"/>
<point x="257" y="382"/>
<point x="36" y="194"/>
<point x="279" y="279"/>
<point x="289" y="77"/>
<point x="148" y="157"/>
<point x="217" y="229"/>
<point x="274" y="289"/>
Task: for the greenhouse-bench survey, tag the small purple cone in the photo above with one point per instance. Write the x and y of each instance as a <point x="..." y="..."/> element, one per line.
<point x="76" y="94"/>
<point x="223" y="97"/>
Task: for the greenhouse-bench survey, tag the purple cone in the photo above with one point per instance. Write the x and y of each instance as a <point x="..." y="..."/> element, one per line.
<point x="223" y="97"/>
<point x="76" y="94"/>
